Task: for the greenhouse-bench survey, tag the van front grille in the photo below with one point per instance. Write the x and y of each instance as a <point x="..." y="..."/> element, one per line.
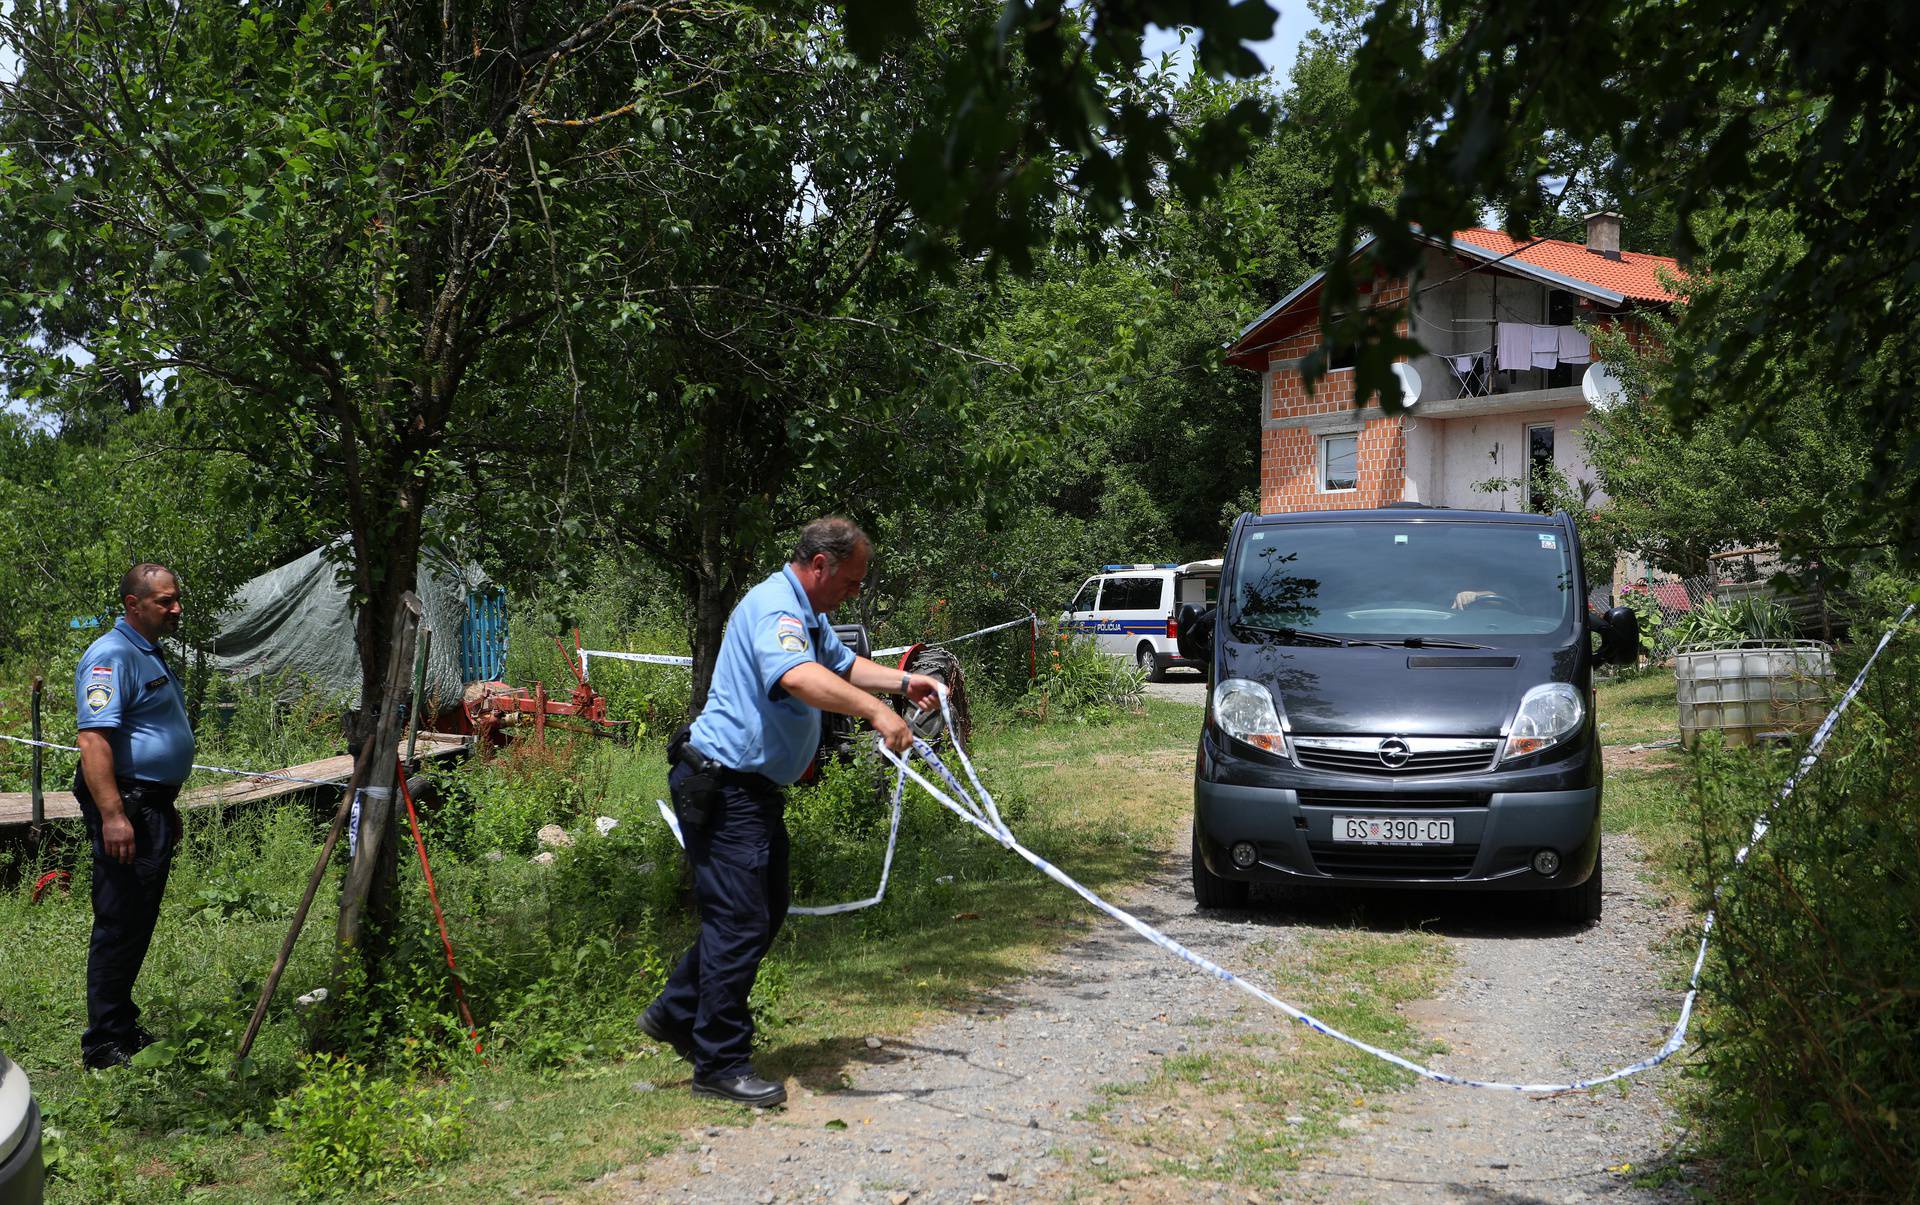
<point x="1394" y="757"/>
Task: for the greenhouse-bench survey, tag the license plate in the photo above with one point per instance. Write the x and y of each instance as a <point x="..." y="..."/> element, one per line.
<point x="1394" y="830"/>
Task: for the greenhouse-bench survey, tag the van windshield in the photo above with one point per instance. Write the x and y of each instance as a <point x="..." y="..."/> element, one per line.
<point x="1478" y="582"/>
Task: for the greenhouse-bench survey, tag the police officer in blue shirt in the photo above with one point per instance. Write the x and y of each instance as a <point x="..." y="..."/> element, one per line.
<point x="780" y="665"/>
<point x="136" y="748"/>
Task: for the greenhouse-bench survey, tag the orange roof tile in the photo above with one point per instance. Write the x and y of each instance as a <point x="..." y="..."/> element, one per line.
<point x="1633" y="275"/>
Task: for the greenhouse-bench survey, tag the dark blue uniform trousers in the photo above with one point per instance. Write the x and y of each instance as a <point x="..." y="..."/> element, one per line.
<point x="740" y="886"/>
<point x="126" y="903"/>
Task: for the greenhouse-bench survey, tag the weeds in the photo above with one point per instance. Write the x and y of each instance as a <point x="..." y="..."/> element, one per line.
<point x="1812" y="1041"/>
<point x="1079" y="684"/>
<point x="348" y="1131"/>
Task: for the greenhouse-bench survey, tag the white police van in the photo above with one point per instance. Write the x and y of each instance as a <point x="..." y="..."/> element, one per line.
<point x="1133" y="611"/>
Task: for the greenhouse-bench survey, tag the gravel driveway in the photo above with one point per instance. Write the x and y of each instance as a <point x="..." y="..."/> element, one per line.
<point x="1181" y="686"/>
<point x="999" y="1104"/>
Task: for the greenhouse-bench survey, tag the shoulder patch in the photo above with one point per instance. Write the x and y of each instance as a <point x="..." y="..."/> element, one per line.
<point x="793" y="642"/>
<point x="98" y="696"/>
<point x="102" y="671"/>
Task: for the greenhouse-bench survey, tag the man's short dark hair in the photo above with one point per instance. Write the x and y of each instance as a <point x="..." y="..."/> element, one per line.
<point x="137" y="580"/>
<point x="837" y="537"/>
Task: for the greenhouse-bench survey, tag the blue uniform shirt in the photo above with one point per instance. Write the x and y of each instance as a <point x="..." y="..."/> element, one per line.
<point x="750" y="723"/>
<point x="125" y="688"/>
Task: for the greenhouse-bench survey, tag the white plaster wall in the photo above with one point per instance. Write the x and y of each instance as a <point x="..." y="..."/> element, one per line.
<point x="1458" y="316"/>
<point x="1426" y="450"/>
<point x="1453" y="454"/>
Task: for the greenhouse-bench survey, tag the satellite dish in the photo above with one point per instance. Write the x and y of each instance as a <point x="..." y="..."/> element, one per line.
<point x="1601" y="388"/>
<point x="1409" y="383"/>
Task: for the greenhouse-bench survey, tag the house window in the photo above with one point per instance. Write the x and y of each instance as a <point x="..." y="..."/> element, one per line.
<point x="1340" y="462"/>
<point x="1539" y="468"/>
<point x="1343" y="355"/>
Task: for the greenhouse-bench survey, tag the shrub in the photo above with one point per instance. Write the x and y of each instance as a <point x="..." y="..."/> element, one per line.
<point x="1748" y="618"/>
<point x="1080" y="684"/>
<point x="502" y="802"/>
<point x="347" y="1132"/>
<point x="1813" y="1038"/>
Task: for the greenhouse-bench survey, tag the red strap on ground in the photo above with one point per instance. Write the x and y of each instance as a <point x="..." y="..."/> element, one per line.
<point x="47" y="880"/>
<point x="433" y="894"/>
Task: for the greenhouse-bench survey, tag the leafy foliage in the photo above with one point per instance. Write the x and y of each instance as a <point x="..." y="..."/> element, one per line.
<point x="1080" y="684"/>
<point x="349" y="1132"/>
<point x="1748" y="618"/>
<point x="1812" y="1036"/>
<point x="1750" y="120"/>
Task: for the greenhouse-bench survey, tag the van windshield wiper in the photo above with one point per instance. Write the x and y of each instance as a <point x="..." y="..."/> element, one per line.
<point x="1291" y="634"/>
<point x="1429" y="642"/>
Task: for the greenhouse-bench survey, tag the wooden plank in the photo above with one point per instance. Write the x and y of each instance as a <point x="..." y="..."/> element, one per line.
<point x="16" y="807"/>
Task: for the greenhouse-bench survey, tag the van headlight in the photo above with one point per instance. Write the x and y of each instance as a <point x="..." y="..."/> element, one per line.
<point x="1246" y="712"/>
<point x="1548" y="715"/>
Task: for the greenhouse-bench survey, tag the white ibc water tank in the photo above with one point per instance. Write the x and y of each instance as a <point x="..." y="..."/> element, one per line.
<point x="1743" y="688"/>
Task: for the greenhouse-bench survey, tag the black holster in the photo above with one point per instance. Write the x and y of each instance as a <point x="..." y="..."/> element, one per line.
<point x="695" y="791"/>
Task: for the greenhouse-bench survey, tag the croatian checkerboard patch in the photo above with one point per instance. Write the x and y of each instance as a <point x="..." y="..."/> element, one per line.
<point x="790" y="633"/>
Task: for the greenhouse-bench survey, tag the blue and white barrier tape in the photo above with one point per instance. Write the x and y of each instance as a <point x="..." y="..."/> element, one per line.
<point x="1028" y="618"/>
<point x="886" y="865"/>
<point x="642" y="658"/>
<point x="686" y="662"/>
<point x="317" y="782"/>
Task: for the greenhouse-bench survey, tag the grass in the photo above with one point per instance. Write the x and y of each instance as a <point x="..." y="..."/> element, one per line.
<point x="1637" y="708"/>
<point x="562" y="1098"/>
<point x="569" y="1094"/>
<point x="1250" y="1102"/>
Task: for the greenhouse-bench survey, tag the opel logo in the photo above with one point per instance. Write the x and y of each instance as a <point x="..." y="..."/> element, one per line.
<point x="1394" y="753"/>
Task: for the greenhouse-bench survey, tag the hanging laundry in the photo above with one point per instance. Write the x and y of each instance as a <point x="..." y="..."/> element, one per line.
<point x="1515" y="346"/>
<point x="1576" y="346"/>
<point x="1545" y="342"/>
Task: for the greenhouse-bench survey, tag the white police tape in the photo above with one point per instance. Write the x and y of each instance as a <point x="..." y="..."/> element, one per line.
<point x="317" y="782"/>
<point x="886" y="865"/>
<point x="1029" y="618"/>
<point x="353" y="816"/>
<point x="983" y="815"/>
<point x="684" y="662"/>
<point x="642" y="658"/>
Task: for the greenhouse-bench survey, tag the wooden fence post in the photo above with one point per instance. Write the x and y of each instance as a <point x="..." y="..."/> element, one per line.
<point x="366" y="898"/>
<point x="414" y="722"/>
<point x="35" y="784"/>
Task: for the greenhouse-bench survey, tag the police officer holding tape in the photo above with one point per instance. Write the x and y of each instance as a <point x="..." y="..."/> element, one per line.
<point x="780" y="665"/>
<point x="136" y="748"/>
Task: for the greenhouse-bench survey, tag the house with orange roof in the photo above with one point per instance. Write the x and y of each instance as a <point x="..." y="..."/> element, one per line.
<point x="1507" y="325"/>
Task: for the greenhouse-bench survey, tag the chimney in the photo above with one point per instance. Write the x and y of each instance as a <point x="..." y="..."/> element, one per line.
<point x="1603" y="233"/>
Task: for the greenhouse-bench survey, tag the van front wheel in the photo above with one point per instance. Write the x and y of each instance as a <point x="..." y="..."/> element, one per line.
<point x="1150" y="663"/>
<point x="1209" y="889"/>
<point x="1578" y="905"/>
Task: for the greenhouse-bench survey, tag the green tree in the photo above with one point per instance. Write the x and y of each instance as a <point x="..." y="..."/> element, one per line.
<point x="1727" y="116"/>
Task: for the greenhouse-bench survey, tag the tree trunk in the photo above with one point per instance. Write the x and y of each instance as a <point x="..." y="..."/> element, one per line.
<point x="365" y="925"/>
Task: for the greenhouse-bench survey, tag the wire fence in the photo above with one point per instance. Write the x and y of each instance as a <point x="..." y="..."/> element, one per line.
<point x="1729" y="605"/>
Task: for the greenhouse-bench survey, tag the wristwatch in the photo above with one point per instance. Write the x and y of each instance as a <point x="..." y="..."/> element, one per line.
<point x="906" y="680"/>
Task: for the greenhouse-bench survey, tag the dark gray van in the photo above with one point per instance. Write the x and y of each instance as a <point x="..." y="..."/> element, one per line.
<point x="1402" y="698"/>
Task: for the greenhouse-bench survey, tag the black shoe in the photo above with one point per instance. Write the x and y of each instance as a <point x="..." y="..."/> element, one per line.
<point x="111" y="1054"/>
<point x="748" y="1089"/>
<point x="656" y="1029"/>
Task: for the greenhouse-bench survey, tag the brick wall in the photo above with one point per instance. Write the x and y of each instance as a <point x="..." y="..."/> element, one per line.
<point x="1290" y="456"/>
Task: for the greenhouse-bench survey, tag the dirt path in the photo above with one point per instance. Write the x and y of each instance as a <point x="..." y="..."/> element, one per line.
<point x="1527" y="1004"/>
<point x="998" y="1104"/>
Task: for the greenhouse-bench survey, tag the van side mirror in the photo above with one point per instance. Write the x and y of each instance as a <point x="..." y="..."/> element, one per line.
<point x="1196" y="632"/>
<point x="1620" y="636"/>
